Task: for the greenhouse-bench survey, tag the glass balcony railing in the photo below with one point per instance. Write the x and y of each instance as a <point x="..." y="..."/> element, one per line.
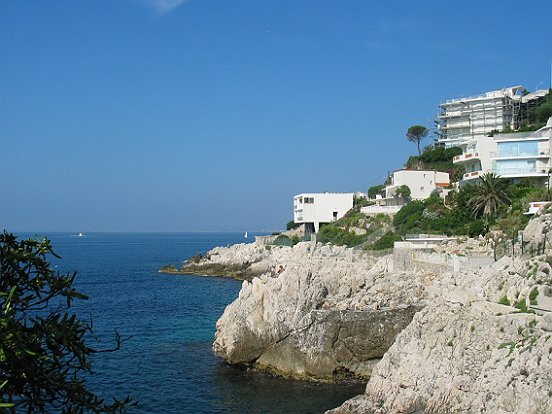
<point x="518" y="154"/>
<point x="518" y="171"/>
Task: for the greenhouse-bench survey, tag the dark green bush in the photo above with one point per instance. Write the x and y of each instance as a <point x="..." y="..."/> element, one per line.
<point x="476" y="228"/>
<point x="375" y="190"/>
<point x="283" y="240"/>
<point x="504" y="301"/>
<point x="386" y="241"/>
<point x="292" y="225"/>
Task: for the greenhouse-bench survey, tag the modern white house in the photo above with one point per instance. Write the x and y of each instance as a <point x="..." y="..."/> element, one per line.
<point x="463" y="119"/>
<point x="422" y="183"/>
<point x="514" y="156"/>
<point x="314" y="209"/>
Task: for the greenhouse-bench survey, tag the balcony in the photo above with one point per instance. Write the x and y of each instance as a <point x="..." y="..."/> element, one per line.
<point x="520" y="172"/>
<point x="466" y="158"/>
<point x="542" y="154"/>
<point x="472" y="175"/>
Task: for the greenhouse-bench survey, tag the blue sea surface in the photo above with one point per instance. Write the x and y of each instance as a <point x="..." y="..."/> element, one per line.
<point x="166" y="364"/>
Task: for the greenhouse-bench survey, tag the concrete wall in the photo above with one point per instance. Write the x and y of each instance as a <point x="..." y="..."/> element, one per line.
<point x="404" y="259"/>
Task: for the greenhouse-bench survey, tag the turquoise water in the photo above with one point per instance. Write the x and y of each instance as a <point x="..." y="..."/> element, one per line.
<point x="166" y="364"/>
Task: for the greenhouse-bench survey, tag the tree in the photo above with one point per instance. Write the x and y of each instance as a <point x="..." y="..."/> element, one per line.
<point x="292" y="225"/>
<point x="416" y="134"/>
<point x="43" y="347"/>
<point x="489" y="195"/>
<point x="403" y="191"/>
<point x="375" y="190"/>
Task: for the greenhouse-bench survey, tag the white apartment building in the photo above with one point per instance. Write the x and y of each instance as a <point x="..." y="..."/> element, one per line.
<point x="462" y="119"/>
<point x="476" y="156"/>
<point x="513" y="156"/>
<point x="314" y="209"/>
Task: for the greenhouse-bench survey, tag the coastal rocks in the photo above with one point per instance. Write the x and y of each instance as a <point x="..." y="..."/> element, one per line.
<point x="466" y="353"/>
<point x="454" y="358"/>
<point x="330" y="312"/>
<point x="537" y="230"/>
<point x="240" y="261"/>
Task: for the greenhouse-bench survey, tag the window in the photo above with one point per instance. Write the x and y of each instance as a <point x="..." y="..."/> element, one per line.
<point x="518" y="149"/>
<point x="515" y="167"/>
<point x="309" y="200"/>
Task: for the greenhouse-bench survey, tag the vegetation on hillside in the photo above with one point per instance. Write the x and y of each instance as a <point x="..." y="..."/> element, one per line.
<point x="439" y="159"/>
<point x="537" y="118"/>
<point x="375" y="190"/>
<point x="353" y="229"/>
<point x="471" y="211"/>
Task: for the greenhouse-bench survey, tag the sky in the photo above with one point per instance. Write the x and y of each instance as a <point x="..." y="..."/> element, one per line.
<point x="209" y="115"/>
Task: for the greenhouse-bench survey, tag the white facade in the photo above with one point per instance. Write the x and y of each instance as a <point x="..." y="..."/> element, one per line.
<point x="476" y="156"/>
<point x="316" y="208"/>
<point x="421" y="183"/>
<point x="512" y="156"/>
<point x="466" y="118"/>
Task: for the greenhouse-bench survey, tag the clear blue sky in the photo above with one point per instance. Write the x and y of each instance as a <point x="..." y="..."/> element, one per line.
<point x="168" y="115"/>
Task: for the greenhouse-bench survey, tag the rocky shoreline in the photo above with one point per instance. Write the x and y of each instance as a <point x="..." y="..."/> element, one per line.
<point x="429" y="339"/>
<point x="238" y="272"/>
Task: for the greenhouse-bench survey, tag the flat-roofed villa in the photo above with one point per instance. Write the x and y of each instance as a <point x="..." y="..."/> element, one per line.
<point x="314" y="209"/>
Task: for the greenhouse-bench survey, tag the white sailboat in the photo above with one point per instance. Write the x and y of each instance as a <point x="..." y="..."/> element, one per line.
<point x="245" y="235"/>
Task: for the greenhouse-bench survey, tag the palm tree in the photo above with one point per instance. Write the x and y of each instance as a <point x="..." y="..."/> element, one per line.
<point x="489" y="196"/>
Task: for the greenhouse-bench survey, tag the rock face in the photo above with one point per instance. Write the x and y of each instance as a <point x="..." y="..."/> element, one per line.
<point x="322" y="312"/>
<point x="465" y="353"/>
<point x="474" y="340"/>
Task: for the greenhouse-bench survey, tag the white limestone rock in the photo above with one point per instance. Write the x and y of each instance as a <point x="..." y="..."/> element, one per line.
<point x="329" y="312"/>
<point x="465" y="353"/>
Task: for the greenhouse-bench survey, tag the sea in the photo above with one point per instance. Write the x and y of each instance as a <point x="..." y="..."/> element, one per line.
<point x="168" y="324"/>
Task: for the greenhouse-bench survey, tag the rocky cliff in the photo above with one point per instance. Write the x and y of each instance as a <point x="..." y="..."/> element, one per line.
<point x="320" y="312"/>
<point x="465" y="353"/>
<point x="430" y="339"/>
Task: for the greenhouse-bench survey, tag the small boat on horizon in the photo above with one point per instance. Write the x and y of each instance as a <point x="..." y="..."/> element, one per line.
<point x="80" y="235"/>
<point x="245" y="235"/>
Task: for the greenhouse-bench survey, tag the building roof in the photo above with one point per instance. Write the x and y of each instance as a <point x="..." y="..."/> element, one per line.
<point x="415" y="169"/>
<point x="498" y="93"/>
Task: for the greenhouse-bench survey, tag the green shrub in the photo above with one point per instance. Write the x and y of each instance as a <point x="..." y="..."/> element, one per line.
<point x="375" y="190"/>
<point x="403" y="192"/>
<point x="292" y="225"/>
<point x="386" y="241"/>
<point x="533" y="296"/>
<point x="359" y="201"/>
<point x="504" y="301"/>
<point x="476" y="228"/>
<point x="283" y="240"/>
<point x="522" y="306"/>
<point x="435" y="158"/>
